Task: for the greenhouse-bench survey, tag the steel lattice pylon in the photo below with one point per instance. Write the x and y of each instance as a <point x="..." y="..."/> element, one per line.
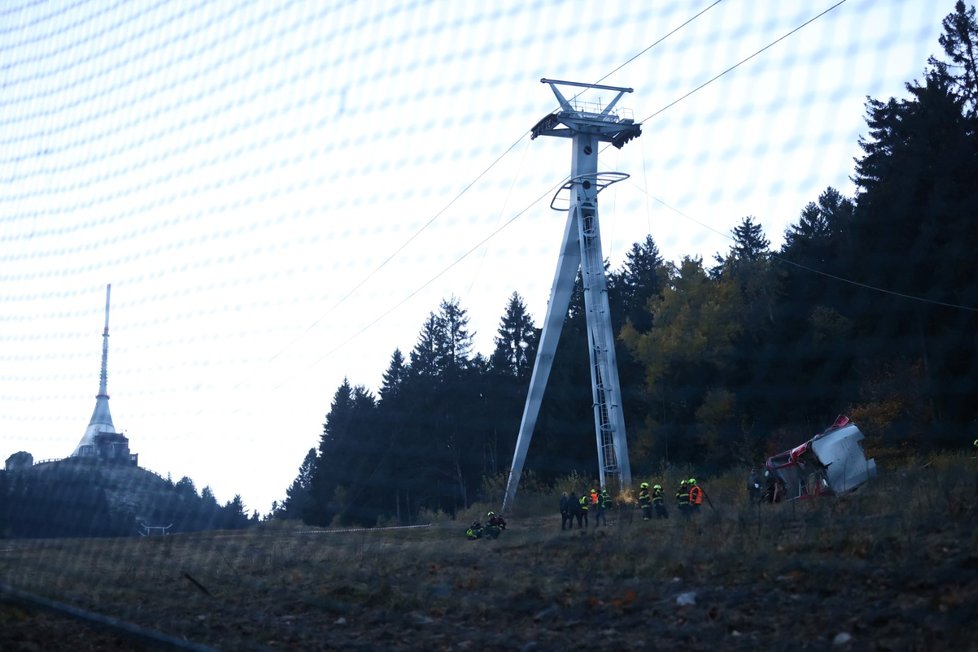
<point x="586" y="126"/>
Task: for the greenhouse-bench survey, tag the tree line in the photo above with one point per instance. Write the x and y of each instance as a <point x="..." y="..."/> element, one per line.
<point x="77" y="497"/>
<point x="869" y="307"/>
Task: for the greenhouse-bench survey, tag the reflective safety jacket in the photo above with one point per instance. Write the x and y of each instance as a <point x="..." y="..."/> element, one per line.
<point x="657" y="497"/>
<point x="696" y="495"/>
<point x="583" y="502"/>
<point x="643" y="497"/>
<point x="682" y="495"/>
<point x="606" y="499"/>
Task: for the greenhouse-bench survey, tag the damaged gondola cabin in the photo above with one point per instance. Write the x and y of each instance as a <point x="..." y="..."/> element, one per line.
<point x="830" y="463"/>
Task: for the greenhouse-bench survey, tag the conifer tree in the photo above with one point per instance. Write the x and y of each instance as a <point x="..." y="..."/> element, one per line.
<point x="916" y="233"/>
<point x="516" y="340"/>
<point x="960" y="43"/>
<point x="428" y="351"/>
<point x="320" y="509"/>
<point x="641" y="278"/>
<point x="456" y="346"/>
<point x="297" y="496"/>
<point x="394" y="377"/>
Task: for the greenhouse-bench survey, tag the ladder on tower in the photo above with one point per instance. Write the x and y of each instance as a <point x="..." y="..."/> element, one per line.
<point x="599" y="326"/>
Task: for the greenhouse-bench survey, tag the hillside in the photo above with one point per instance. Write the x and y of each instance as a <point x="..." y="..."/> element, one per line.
<point x="128" y="488"/>
<point x="892" y="567"/>
<point x="79" y="497"/>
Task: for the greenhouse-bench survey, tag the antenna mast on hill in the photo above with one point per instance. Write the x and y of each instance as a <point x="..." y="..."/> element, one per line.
<point x="586" y="125"/>
<point x="101" y="420"/>
<point x="101" y="441"/>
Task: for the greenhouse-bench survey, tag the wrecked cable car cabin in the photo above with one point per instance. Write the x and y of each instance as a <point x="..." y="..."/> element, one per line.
<point x="829" y="463"/>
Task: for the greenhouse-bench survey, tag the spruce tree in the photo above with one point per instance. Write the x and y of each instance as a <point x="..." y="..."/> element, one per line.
<point x="297" y="496"/>
<point x="515" y="342"/>
<point x="916" y="234"/>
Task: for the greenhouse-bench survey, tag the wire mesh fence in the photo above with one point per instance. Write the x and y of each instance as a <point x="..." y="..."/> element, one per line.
<point x="281" y="193"/>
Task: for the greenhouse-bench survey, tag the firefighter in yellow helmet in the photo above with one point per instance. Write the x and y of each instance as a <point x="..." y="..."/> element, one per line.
<point x="496" y="524"/>
<point x="682" y="497"/>
<point x="659" y="502"/>
<point x="645" y="501"/>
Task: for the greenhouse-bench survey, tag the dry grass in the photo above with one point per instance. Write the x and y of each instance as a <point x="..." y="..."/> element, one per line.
<point x="894" y="563"/>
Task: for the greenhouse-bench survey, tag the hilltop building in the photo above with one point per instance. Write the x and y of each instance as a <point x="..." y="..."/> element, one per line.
<point x="19" y="461"/>
<point x="101" y="441"/>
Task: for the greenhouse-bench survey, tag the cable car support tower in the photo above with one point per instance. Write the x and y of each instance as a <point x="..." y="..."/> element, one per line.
<point x="587" y="126"/>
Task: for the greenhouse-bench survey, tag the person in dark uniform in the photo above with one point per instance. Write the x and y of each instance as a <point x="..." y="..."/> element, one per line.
<point x="567" y="509"/>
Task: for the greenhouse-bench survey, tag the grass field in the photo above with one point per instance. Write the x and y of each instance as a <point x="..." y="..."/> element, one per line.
<point x="893" y="566"/>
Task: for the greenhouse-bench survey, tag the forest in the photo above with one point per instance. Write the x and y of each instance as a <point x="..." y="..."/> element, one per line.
<point x="869" y="308"/>
<point x="78" y="497"/>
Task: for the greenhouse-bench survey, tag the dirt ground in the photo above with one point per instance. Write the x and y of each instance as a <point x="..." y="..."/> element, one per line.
<point x="774" y="578"/>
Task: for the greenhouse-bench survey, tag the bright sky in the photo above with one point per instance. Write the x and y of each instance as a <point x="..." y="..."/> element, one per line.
<point x="281" y="192"/>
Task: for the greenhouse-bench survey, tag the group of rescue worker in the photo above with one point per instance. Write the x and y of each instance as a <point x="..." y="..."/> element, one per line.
<point x="651" y="500"/>
<point x="596" y="501"/>
<point x="494" y="526"/>
<point x="689" y="498"/>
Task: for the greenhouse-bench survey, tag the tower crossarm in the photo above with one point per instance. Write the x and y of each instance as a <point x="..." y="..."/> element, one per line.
<point x="576" y="116"/>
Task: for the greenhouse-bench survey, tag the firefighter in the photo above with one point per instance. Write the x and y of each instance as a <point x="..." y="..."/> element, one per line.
<point x="695" y="496"/>
<point x="682" y="498"/>
<point x="606" y="501"/>
<point x="497" y="520"/>
<point x="496" y="525"/>
<point x="659" y="502"/>
<point x="597" y="504"/>
<point x="645" y="501"/>
<point x="474" y="531"/>
<point x="581" y="513"/>
<point x="567" y="509"/>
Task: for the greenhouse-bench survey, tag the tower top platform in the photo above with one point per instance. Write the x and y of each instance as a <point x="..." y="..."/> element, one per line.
<point x="577" y="115"/>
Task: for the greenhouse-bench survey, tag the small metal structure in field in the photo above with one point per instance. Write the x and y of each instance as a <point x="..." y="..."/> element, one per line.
<point x="153" y="530"/>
